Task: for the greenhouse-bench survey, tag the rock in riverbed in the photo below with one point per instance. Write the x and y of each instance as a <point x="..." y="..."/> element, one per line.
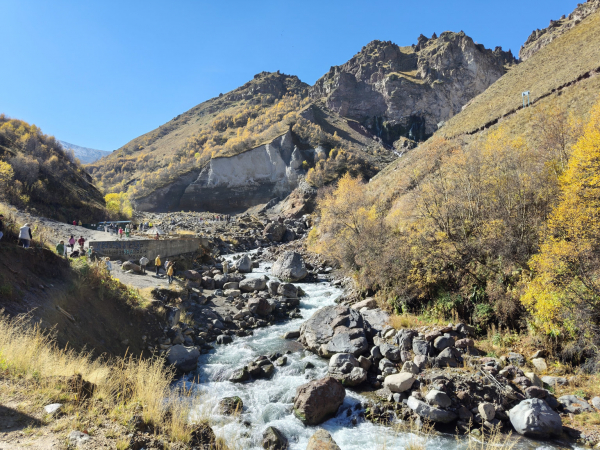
<point x="318" y="400"/>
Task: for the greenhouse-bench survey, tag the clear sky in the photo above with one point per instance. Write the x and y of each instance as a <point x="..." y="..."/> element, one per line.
<point x="100" y="73"/>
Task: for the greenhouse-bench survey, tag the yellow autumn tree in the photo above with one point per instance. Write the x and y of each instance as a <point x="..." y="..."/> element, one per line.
<point x="564" y="295"/>
<point x="119" y="205"/>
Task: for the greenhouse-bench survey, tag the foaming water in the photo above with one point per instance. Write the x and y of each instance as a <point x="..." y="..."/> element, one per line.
<point x="270" y="402"/>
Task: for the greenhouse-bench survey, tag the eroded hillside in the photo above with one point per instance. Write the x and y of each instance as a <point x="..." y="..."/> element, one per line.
<point x="410" y="90"/>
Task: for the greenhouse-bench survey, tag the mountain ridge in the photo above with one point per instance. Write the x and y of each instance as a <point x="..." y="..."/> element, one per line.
<point x="84" y="154"/>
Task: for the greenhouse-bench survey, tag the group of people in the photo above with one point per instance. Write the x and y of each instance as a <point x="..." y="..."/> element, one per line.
<point x="119" y="231"/>
<point x="169" y="267"/>
<point x="62" y="249"/>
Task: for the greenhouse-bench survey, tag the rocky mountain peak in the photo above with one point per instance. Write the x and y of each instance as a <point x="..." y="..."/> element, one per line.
<point x="538" y="39"/>
<point x="274" y="84"/>
<point x="407" y="91"/>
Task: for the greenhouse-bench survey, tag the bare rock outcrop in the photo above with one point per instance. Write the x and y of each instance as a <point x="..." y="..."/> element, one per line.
<point x="538" y="39"/>
<point x="406" y="92"/>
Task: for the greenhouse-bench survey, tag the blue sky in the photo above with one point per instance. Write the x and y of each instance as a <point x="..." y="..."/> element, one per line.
<point x="100" y="73"/>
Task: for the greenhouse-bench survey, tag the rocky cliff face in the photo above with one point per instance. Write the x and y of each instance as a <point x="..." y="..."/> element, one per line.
<point x="233" y="184"/>
<point x="407" y="91"/>
<point x="540" y="38"/>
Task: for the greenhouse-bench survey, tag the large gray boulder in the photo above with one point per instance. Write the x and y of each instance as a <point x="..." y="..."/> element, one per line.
<point x="290" y="267"/>
<point x="274" y="231"/>
<point x="399" y="382"/>
<point x="574" y="405"/>
<point x="260" y="306"/>
<point x="253" y="284"/>
<point x="335" y="329"/>
<point x="534" y="418"/>
<point x="318" y="400"/>
<point x="346" y="368"/>
<point x="430" y="412"/>
<point x="185" y="359"/>
<point x="243" y="265"/>
<point x="287" y="290"/>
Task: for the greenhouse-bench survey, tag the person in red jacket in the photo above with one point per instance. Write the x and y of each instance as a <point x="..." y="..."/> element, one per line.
<point x="74" y="223"/>
<point x="81" y="241"/>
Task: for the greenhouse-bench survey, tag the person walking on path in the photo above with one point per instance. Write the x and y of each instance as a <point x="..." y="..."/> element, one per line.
<point x="72" y="243"/>
<point x="120" y="233"/>
<point x="170" y="272"/>
<point x="81" y="242"/>
<point x="25" y="235"/>
<point x="1" y="226"/>
<point x="127" y="231"/>
<point x="143" y="262"/>
<point x="60" y="249"/>
<point x="157" y="264"/>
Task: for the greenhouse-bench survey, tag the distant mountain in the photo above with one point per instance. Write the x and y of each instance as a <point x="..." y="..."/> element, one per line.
<point x="84" y="154"/>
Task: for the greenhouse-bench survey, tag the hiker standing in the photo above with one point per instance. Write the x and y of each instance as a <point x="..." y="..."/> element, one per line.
<point x="60" y="249"/>
<point x="1" y="226"/>
<point x="120" y="233"/>
<point x="127" y="231"/>
<point x="156" y="237"/>
<point x="143" y="262"/>
<point x="80" y="224"/>
<point x="75" y="222"/>
<point x="25" y="235"/>
<point x="157" y="264"/>
<point x="170" y="272"/>
<point x="81" y="241"/>
<point x="108" y="263"/>
<point x="72" y="243"/>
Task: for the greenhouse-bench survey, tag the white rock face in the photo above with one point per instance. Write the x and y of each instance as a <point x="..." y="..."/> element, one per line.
<point x="251" y="178"/>
<point x="262" y="164"/>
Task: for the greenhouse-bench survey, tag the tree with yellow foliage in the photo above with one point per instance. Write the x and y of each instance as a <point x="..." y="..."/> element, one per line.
<point x="118" y="205"/>
<point x="564" y="294"/>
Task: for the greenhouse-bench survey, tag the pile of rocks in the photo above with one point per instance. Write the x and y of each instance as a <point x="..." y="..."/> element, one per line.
<point x="217" y="307"/>
<point x="262" y="367"/>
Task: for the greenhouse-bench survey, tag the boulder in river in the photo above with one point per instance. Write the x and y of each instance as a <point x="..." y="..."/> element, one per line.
<point x="253" y="284"/>
<point x="534" y="418"/>
<point x="322" y="440"/>
<point x="260" y="306"/>
<point x="335" y="329"/>
<point x="243" y="265"/>
<point x="290" y="267"/>
<point x="346" y="368"/>
<point x="273" y="439"/>
<point x="318" y="400"/>
<point x="185" y="359"/>
<point x="231" y="405"/>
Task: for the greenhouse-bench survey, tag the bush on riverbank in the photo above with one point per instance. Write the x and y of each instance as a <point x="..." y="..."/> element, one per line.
<point x="457" y="238"/>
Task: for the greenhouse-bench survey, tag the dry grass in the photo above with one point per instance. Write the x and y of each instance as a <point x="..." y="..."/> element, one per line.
<point x="34" y="370"/>
<point x="485" y="439"/>
<point x="560" y="62"/>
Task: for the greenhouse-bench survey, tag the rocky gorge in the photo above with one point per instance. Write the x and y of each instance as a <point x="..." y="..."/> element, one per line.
<point x="277" y="359"/>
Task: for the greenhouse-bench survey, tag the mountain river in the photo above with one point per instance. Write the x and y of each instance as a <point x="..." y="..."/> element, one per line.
<point x="270" y="402"/>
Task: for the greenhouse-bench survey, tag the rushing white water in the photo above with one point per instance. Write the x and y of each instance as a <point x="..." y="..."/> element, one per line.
<point x="270" y="402"/>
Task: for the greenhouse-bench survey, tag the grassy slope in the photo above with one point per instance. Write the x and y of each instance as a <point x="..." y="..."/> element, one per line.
<point x="38" y="282"/>
<point x="567" y="58"/>
<point x="562" y="61"/>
